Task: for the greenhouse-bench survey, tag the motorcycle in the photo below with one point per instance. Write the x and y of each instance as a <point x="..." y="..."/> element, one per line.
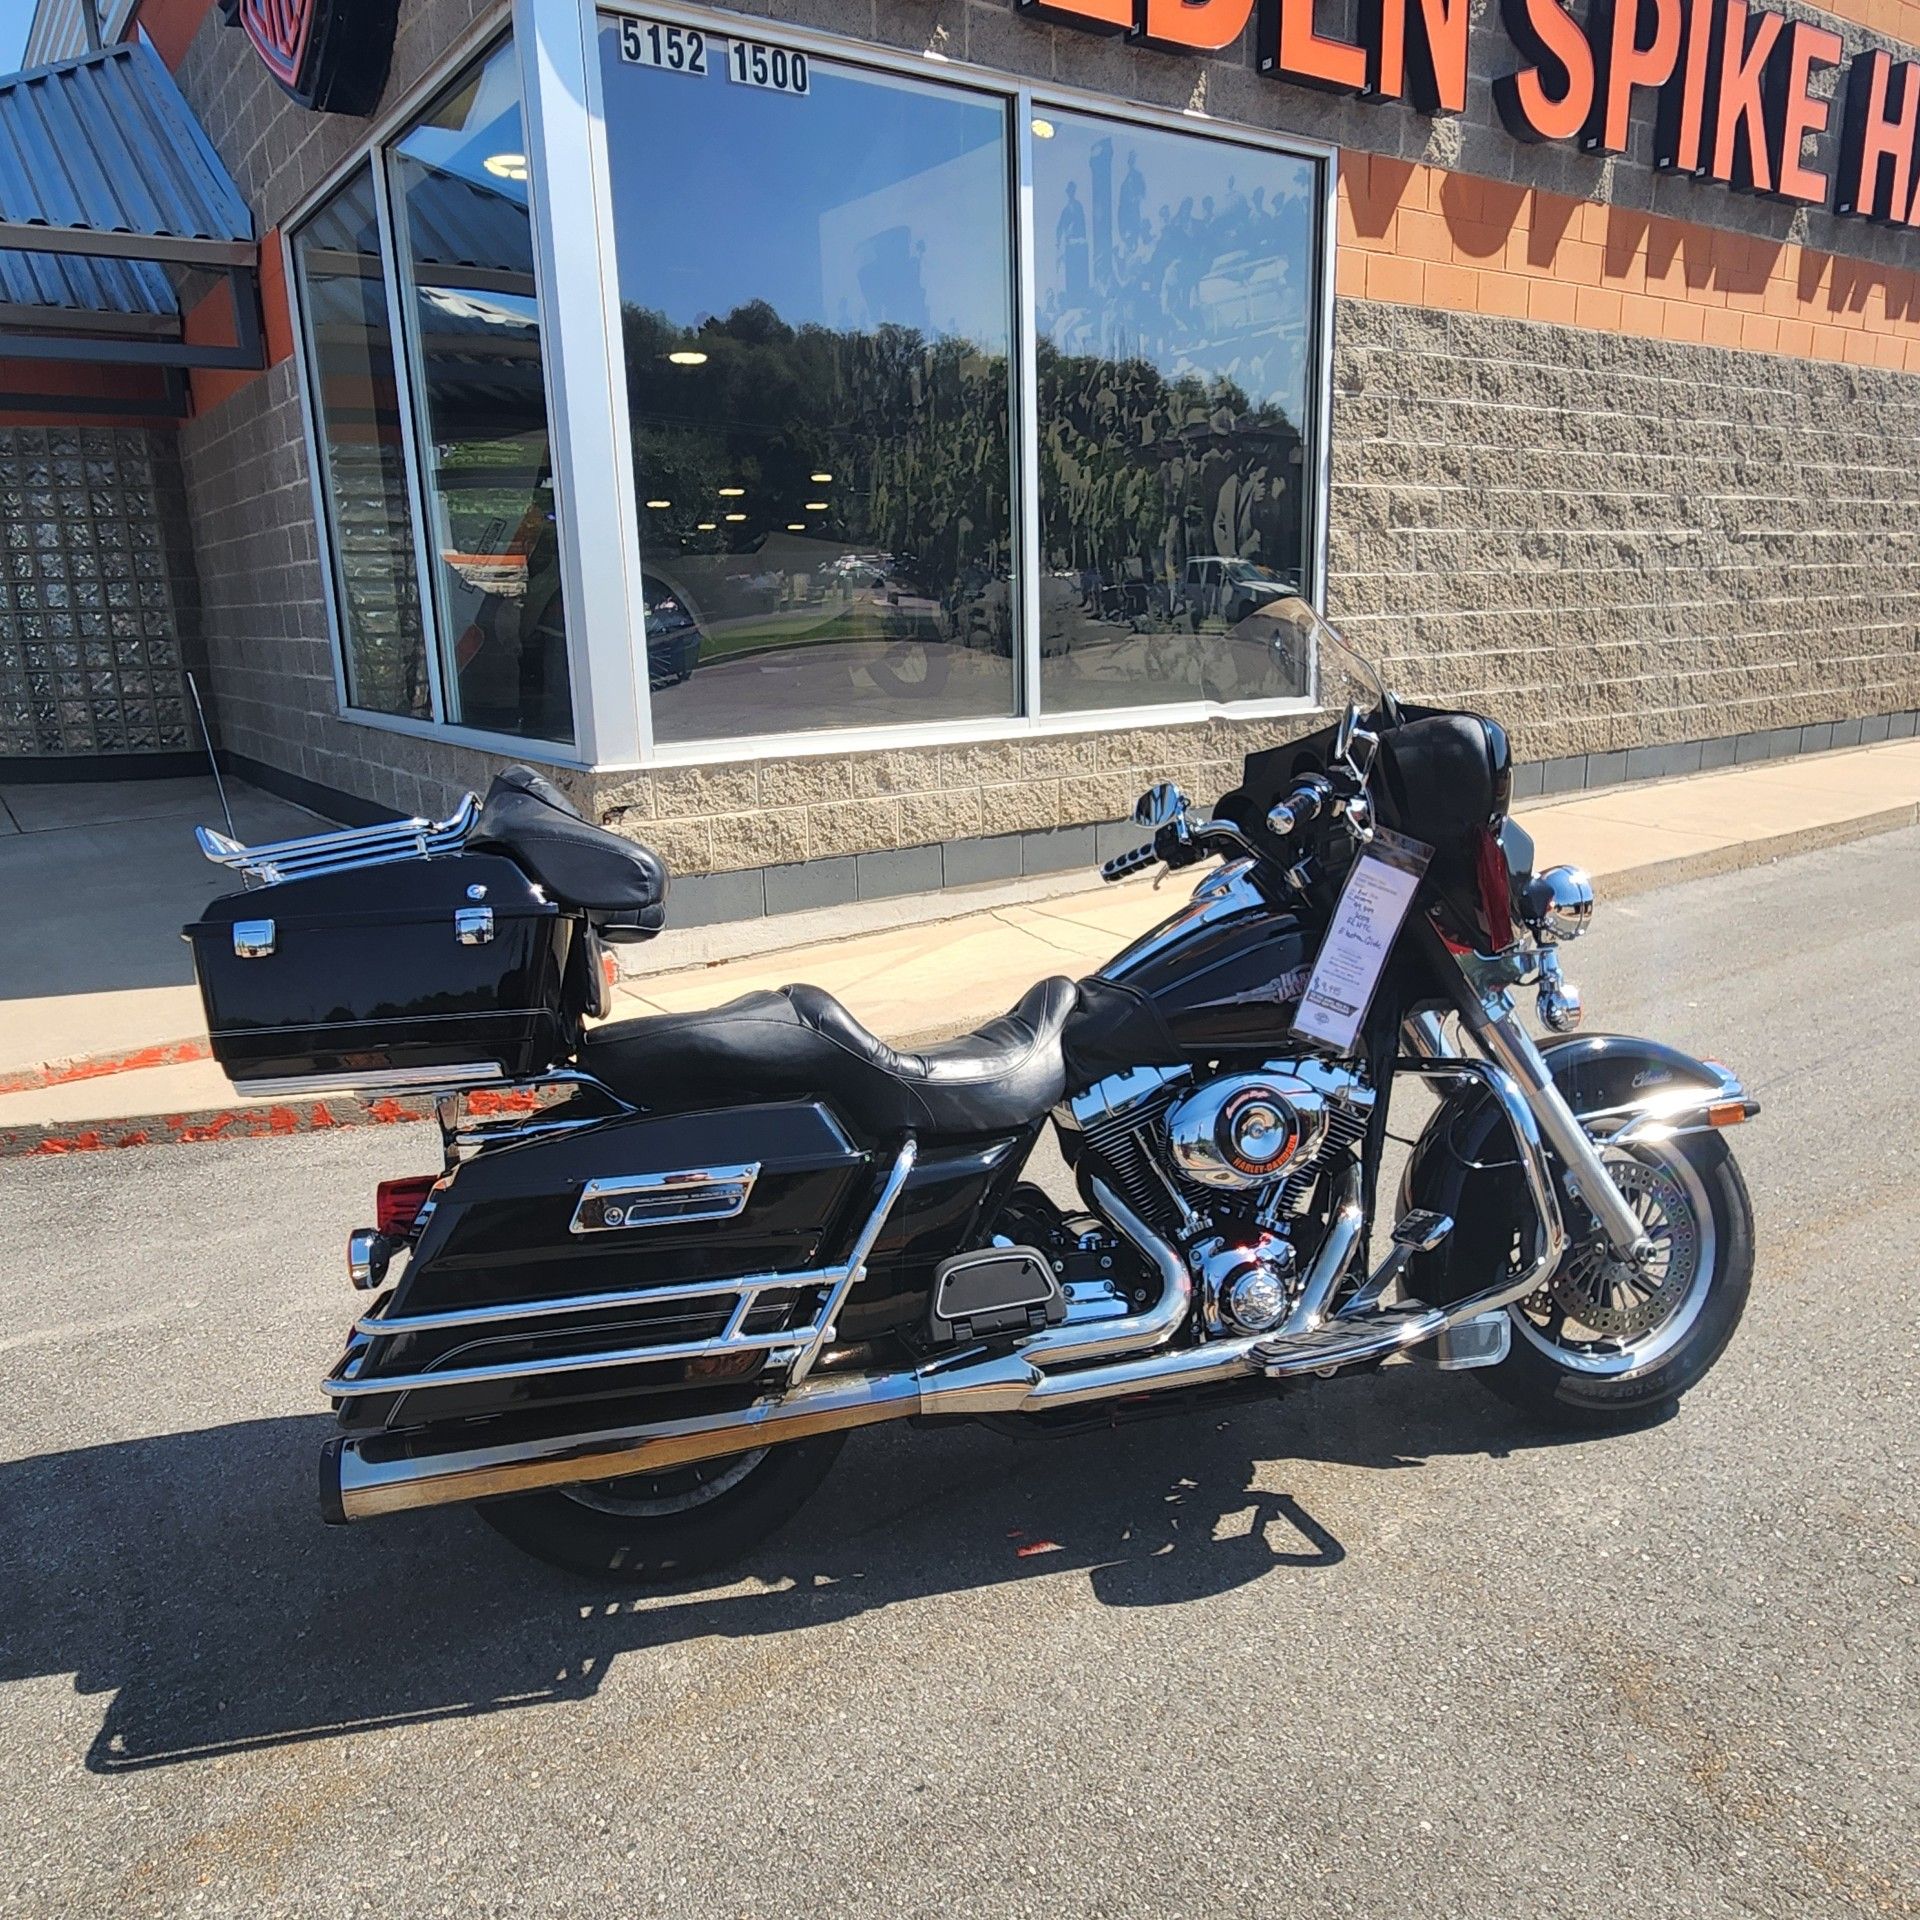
<point x="668" y="1264"/>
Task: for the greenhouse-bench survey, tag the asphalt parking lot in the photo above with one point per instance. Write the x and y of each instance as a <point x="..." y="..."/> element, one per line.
<point x="1376" y="1649"/>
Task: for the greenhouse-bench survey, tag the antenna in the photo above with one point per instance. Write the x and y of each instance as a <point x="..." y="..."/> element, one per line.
<point x="219" y="785"/>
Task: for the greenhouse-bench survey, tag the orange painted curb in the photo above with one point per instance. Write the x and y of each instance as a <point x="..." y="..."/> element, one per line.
<point x="278" y="1121"/>
<point x="96" y="1066"/>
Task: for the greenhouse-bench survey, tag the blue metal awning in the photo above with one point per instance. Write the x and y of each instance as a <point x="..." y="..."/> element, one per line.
<point x="109" y="191"/>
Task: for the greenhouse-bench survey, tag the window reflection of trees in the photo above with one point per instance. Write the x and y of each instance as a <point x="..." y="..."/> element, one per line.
<point x="357" y="408"/>
<point x="1173" y="349"/>
<point x="889" y="584"/>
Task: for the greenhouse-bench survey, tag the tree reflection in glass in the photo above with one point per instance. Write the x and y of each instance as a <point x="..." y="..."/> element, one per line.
<point x="816" y="315"/>
<point x="1176" y="316"/>
<point x="466" y="245"/>
<point x="357" y="409"/>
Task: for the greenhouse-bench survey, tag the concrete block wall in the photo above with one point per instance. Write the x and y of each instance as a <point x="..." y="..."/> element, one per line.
<point x="1608" y="542"/>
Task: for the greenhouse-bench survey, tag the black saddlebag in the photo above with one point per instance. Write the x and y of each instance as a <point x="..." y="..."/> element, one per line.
<point x="455" y="968"/>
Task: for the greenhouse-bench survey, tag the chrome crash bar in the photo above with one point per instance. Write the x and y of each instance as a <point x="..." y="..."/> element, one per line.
<point x="341" y="852"/>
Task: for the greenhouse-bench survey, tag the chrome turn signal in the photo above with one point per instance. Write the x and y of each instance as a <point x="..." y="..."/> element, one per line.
<point x="368" y="1254"/>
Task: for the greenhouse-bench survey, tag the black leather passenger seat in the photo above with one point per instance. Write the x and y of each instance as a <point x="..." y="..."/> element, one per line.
<point x="797" y="1042"/>
<point x="526" y="817"/>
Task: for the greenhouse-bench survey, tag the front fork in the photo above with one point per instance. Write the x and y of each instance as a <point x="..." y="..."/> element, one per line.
<point x="1488" y="1016"/>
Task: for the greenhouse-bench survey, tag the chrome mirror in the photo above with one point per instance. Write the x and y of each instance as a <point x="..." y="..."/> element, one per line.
<point x="1161" y="805"/>
<point x="1354" y="744"/>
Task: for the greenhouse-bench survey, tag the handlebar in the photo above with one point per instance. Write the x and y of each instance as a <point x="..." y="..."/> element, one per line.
<point x="1123" y="865"/>
<point x="1303" y="804"/>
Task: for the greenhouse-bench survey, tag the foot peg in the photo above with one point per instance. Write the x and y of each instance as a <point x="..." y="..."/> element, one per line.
<point x="1417" y="1232"/>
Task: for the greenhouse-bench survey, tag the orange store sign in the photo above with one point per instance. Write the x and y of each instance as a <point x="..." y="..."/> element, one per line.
<point x="1731" y="82"/>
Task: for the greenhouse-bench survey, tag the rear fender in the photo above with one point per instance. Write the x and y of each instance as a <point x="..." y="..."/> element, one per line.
<point x="1464" y="1163"/>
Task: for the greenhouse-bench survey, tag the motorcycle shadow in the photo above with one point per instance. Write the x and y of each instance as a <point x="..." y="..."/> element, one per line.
<point x="187" y="1577"/>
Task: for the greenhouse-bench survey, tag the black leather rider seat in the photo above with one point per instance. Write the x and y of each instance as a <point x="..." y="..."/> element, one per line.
<point x="800" y="1043"/>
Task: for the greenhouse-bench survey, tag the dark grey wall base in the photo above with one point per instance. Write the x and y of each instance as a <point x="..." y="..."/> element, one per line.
<point x="708" y="899"/>
<point x="347" y="808"/>
<point x="65" y="769"/>
<point x="1574" y="772"/>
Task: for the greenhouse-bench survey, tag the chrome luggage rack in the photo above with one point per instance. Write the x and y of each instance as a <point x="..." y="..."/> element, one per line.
<point x="342" y="851"/>
<point x="793" y="1348"/>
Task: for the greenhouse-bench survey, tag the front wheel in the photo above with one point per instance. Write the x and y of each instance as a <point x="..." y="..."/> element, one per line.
<point x="1605" y="1344"/>
<point x="646" y="1528"/>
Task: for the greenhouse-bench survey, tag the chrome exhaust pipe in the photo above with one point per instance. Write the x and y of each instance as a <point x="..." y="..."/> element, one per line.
<point x="362" y="1476"/>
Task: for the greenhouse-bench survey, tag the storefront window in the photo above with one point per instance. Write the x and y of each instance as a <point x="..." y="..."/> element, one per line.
<point x="815" y="272"/>
<point x="1175" y="282"/>
<point x="357" y="409"/>
<point x="466" y="253"/>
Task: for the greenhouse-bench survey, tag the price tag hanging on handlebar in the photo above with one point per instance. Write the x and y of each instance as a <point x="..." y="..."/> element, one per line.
<point x="1380" y="887"/>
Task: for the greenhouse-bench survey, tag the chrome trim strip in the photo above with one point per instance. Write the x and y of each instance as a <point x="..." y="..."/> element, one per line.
<point x="709" y="1193"/>
<point x="807" y="1341"/>
<point x="462" y="1073"/>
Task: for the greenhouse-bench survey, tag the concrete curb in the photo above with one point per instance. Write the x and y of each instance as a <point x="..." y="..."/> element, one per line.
<point x="1629" y="881"/>
<point x="251" y="1120"/>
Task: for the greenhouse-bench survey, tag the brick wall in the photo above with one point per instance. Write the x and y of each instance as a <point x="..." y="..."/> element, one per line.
<point x="1609" y="534"/>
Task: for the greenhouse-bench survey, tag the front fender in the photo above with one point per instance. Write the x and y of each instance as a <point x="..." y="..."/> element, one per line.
<point x="1464" y="1162"/>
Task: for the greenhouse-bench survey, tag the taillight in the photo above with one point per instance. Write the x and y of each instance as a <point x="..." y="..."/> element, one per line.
<point x="397" y="1203"/>
<point x="1496" y="890"/>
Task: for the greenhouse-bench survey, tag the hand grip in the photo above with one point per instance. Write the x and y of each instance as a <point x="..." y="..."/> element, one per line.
<point x="1124" y="864"/>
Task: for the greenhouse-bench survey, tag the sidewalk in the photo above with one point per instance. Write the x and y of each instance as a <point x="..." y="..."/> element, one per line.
<point x="106" y="977"/>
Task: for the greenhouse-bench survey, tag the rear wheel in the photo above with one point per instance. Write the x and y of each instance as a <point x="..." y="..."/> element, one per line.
<point x="646" y="1528"/>
<point x="1606" y="1344"/>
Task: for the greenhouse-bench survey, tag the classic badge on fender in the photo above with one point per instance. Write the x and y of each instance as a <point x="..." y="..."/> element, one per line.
<point x="330" y="55"/>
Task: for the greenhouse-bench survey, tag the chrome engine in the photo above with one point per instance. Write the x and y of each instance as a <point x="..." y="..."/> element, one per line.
<point x="1225" y="1165"/>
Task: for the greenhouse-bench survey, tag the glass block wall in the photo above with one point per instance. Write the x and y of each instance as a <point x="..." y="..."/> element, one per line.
<point x="98" y="599"/>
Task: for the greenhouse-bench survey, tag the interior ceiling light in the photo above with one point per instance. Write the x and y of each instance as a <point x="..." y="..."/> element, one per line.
<point x="688" y="357"/>
<point x="706" y="526"/>
<point x="658" y="504"/>
<point x="733" y="493"/>
<point x="1043" y="129"/>
<point x="736" y="516"/>
<point x="819" y="479"/>
<point x="506" y="166"/>
<point x="796" y="526"/>
<point x="816" y="506"/>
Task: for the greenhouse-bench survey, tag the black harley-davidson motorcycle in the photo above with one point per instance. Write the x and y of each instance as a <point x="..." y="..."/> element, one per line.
<point x="669" y="1263"/>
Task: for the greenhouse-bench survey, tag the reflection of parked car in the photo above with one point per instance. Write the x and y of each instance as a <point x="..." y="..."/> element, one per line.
<point x="673" y="641"/>
<point x="1222" y="587"/>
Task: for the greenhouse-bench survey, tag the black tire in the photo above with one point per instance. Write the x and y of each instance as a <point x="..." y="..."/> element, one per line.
<point x="1562" y="1395"/>
<point x="639" y="1550"/>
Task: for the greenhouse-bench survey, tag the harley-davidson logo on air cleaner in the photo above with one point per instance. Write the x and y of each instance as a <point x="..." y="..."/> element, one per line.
<point x="1732" y="83"/>
<point x="330" y="55"/>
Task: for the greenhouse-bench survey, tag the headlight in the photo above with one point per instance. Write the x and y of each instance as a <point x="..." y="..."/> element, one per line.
<point x="1558" y="904"/>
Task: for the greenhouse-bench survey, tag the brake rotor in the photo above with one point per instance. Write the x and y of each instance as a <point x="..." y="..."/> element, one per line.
<point x="1615" y="1297"/>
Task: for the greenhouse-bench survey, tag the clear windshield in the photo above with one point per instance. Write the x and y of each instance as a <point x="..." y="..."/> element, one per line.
<point x="1306" y="641"/>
